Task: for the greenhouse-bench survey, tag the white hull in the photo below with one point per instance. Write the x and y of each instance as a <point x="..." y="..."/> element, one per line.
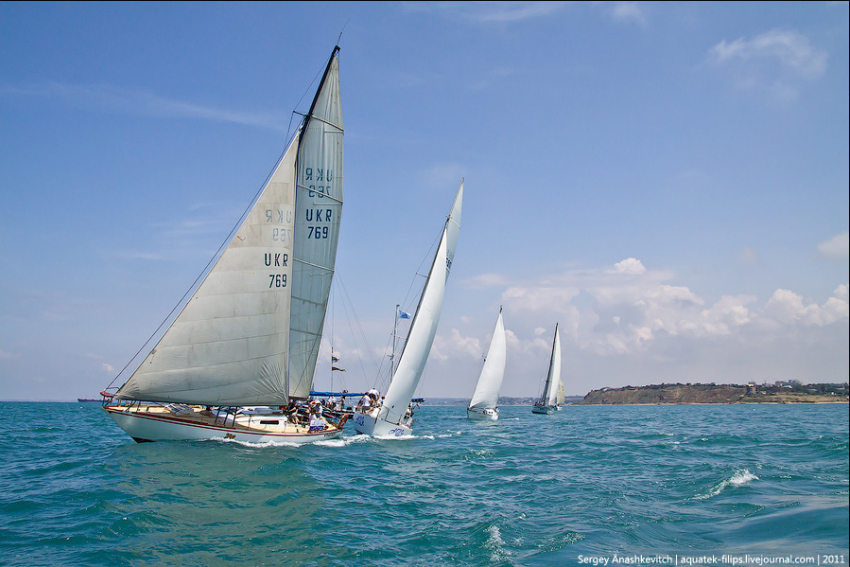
<point x="544" y="409"/>
<point x="368" y="424"/>
<point x="144" y="427"/>
<point x="487" y="414"/>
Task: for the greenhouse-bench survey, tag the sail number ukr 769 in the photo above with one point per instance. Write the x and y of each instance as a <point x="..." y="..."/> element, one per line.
<point x="317" y="232"/>
<point x="277" y="280"/>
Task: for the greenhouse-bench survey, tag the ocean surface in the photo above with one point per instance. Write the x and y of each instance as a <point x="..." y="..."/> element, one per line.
<point x="651" y="485"/>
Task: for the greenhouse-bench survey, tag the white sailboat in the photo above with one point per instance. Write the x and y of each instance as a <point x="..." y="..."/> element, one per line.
<point x="394" y="417"/>
<point x="548" y="401"/>
<point x="250" y="333"/>
<point x="562" y="395"/>
<point x="483" y="405"/>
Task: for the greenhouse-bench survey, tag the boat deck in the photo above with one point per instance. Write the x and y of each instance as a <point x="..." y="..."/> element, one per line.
<point x="268" y="423"/>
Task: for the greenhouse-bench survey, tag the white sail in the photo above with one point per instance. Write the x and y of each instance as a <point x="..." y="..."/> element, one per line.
<point x="562" y="395"/>
<point x="251" y="332"/>
<point x="486" y="394"/>
<point x="423" y="328"/>
<point x="550" y="393"/>
<point x="318" y="205"/>
<point x="229" y="344"/>
<point x="453" y="229"/>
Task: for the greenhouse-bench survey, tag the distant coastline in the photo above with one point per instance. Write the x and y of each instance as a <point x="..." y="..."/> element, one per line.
<point x="718" y="394"/>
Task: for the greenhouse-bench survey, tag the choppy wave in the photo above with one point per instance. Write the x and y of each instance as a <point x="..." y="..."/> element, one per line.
<point x="740" y="478"/>
<point x="530" y="491"/>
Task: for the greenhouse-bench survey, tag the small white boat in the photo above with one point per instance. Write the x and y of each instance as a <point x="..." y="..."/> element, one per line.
<point x="250" y="332"/>
<point x="483" y="405"/>
<point x="394" y="417"/>
<point x="548" y="402"/>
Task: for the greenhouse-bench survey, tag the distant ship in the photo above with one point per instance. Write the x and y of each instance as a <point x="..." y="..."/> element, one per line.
<point x="87" y="400"/>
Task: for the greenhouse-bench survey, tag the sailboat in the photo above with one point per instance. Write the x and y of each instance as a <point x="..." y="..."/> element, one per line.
<point x="548" y="401"/>
<point x="562" y="395"/>
<point x="482" y="406"/>
<point x="245" y="344"/>
<point x="394" y="416"/>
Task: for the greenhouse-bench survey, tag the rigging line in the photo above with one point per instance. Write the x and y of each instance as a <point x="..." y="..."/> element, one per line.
<point x="429" y="256"/>
<point x="346" y="304"/>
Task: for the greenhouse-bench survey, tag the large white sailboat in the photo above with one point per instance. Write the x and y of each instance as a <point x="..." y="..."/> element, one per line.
<point x="483" y="405"/>
<point x="394" y="416"/>
<point x="548" y="402"/>
<point x="245" y="344"/>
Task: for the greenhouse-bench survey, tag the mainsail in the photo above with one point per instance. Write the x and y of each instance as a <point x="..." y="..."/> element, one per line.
<point x="250" y="333"/>
<point x="490" y="381"/>
<point x="318" y="206"/>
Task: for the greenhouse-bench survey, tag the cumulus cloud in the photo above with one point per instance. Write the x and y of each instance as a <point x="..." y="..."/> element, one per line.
<point x="627" y="308"/>
<point x="837" y="247"/>
<point x="629" y="266"/>
<point x="788" y="307"/>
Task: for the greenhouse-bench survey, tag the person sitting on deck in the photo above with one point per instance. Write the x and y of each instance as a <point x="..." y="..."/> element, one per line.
<point x="317" y="422"/>
<point x="366" y="401"/>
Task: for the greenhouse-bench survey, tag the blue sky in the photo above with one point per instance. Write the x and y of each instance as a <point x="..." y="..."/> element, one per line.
<point x="668" y="182"/>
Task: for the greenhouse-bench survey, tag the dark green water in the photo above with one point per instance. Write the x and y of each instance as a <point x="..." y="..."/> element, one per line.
<point x="584" y="485"/>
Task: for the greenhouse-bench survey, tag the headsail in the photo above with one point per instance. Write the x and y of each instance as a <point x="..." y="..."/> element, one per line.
<point x="318" y="206"/>
<point x="425" y="321"/>
<point x="486" y="394"/>
<point x="229" y="344"/>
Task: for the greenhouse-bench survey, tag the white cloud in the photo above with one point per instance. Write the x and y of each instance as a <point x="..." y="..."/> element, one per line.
<point x="787" y="307"/>
<point x="777" y="62"/>
<point x="489" y="12"/>
<point x="632" y="308"/>
<point x="140" y="102"/>
<point x="485" y="280"/>
<point x="628" y="12"/>
<point x="791" y="49"/>
<point x="629" y="266"/>
<point x="837" y="247"/>
<point x="748" y="255"/>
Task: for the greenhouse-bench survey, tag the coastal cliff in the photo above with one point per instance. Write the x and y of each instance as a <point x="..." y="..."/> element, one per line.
<point x="717" y="394"/>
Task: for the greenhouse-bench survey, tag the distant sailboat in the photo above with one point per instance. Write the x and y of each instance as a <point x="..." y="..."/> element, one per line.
<point x="483" y="405"/>
<point x="562" y="395"/>
<point x="394" y="417"/>
<point x="548" y="401"/>
<point x="250" y="333"/>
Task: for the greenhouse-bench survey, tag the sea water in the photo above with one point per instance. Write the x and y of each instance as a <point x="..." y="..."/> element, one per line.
<point x="651" y="485"/>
